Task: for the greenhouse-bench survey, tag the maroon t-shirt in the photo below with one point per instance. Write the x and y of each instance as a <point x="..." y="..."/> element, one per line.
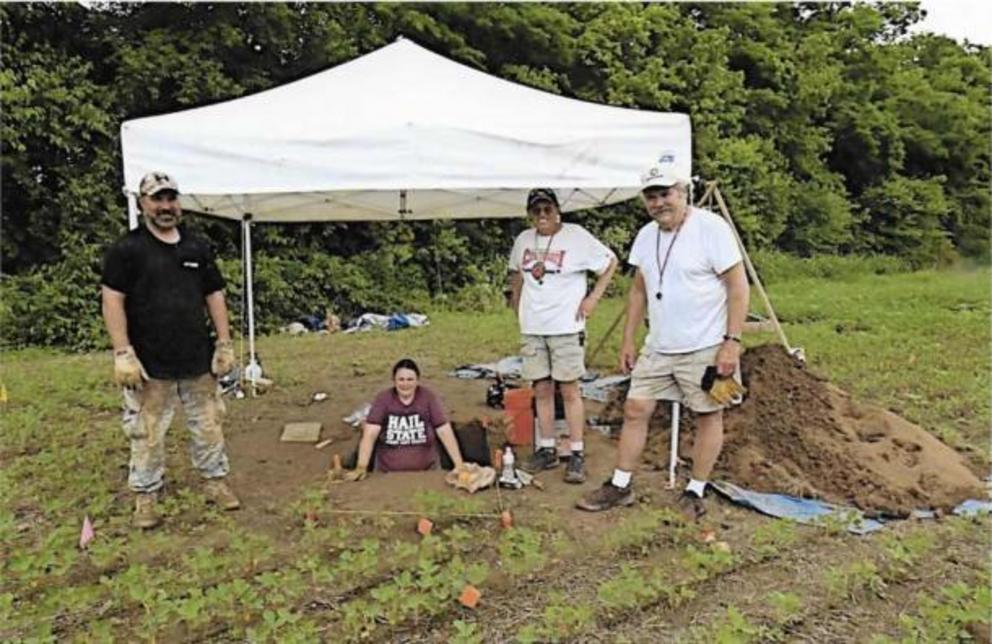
<point x="407" y="441"/>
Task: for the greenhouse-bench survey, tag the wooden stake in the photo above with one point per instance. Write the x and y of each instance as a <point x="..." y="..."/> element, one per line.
<point x="752" y="272"/>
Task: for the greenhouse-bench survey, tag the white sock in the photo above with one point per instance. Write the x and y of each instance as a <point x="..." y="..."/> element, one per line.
<point x="696" y="487"/>
<point x="621" y="478"/>
<point x="546" y="442"/>
<point x="578" y="446"/>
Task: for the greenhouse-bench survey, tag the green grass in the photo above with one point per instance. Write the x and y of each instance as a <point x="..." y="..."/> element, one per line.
<point x="917" y="343"/>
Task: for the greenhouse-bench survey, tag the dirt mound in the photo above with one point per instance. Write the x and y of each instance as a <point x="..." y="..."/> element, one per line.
<point x="797" y="434"/>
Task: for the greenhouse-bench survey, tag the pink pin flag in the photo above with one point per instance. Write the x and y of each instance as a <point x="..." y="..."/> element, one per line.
<point x="86" y="534"/>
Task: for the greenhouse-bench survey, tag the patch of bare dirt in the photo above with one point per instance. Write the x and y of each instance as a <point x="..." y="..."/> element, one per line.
<point x="795" y="433"/>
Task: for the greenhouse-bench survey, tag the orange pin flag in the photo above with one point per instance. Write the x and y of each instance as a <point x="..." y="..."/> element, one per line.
<point x="506" y="519"/>
<point x="424" y="526"/>
<point x="470" y="596"/>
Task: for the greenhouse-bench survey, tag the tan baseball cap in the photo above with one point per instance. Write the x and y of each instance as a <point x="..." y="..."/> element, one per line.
<point x="155" y="182"/>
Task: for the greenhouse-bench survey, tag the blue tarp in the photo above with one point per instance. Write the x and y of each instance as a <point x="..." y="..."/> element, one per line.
<point x="802" y="510"/>
<point x="783" y="506"/>
<point x="368" y="321"/>
<point x="971" y="507"/>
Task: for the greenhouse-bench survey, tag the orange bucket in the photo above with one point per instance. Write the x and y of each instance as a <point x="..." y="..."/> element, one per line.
<point x="517" y="404"/>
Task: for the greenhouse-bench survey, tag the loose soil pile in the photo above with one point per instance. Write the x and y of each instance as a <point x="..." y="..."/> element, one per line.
<point x="797" y="434"/>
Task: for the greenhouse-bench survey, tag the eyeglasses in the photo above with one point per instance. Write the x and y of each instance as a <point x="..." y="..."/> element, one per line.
<point x="537" y="210"/>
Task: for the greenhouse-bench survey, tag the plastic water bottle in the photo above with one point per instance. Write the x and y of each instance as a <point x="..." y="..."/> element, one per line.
<point x="253" y="371"/>
<point x="508" y="459"/>
<point x="508" y="477"/>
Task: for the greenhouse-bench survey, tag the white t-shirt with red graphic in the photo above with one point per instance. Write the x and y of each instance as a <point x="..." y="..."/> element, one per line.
<point x="554" y="275"/>
<point x="692" y="311"/>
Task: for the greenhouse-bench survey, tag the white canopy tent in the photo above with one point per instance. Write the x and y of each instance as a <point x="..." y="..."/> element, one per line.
<point x="400" y="133"/>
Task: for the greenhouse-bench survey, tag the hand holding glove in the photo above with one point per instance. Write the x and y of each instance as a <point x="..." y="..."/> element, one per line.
<point x="357" y="474"/>
<point x="223" y="360"/>
<point x="128" y="370"/>
<point x="722" y="389"/>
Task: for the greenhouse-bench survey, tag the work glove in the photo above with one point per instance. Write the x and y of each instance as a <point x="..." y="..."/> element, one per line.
<point x="128" y="371"/>
<point x="223" y="360"/>
<point x="470" y="477"/>
<point x="722" y="389"/>
<point x="356" y="475"/>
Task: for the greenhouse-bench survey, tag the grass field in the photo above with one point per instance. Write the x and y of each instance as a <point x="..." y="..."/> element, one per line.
<point x="915" y="343"/>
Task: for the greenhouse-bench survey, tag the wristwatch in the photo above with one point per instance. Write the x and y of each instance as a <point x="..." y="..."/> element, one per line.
<point x="732" y="338"/>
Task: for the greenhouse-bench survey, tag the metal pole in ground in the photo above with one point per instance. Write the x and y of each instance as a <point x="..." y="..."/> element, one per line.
<point x="673" y="451"/>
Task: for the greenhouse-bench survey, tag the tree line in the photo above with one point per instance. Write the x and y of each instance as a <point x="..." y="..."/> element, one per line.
<point x="830" y="129"/>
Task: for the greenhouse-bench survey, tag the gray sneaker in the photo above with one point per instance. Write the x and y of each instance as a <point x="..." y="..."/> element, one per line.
<point x="575" y="471"/>
<point x="606" y="497"/>
<point x="546" y="458"/>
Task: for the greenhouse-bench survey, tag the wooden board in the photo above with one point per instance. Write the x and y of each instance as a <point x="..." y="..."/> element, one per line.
<point x="301" y="432"/>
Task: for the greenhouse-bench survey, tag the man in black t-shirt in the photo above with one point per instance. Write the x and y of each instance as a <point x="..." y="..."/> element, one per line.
<point x="159" y="284"/>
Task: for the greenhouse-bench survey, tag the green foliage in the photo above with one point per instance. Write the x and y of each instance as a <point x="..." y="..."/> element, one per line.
<point x="772" y="536"/>
<point x="774" y="267"/>
<point x="521" y="551"/>
<point x="904" y="552"/>
<point x="904" y="217"/>
<point x="465" y="633"/>
<point x="59" y="304"/>
<point x="830" y="130"/>
<point x="958" y="613"/>
<point x="626" y="591"/>
<point x="564" y="618"/>
<point x="735" y="628"/>
<point x="637" y="533"/>
<point x="787" y="606"/>
<point x="850" y="582"/>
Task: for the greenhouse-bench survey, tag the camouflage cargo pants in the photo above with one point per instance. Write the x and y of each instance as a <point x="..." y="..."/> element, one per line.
<point x="148" y="412"/>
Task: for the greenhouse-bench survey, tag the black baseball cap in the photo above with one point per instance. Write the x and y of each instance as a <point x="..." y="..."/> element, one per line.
<point x="541" y="194"/>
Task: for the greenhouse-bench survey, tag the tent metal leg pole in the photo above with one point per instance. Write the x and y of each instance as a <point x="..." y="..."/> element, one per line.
<point x="132" y="210"/>
<point x="253" y="371"/>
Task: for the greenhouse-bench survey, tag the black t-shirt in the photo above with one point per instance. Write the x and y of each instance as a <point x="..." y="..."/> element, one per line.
<point x="165" y="286"/>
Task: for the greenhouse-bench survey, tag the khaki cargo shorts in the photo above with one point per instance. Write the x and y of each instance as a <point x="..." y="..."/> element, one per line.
<point x="676" y="377"/>
<point x="560" y="357"/>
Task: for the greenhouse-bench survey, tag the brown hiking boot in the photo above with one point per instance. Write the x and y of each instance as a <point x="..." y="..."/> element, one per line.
<point x="606" y="497"/>
<point x="145" y="515"/>
<point x="218" y="492"/>
<point x="691" y="506"/>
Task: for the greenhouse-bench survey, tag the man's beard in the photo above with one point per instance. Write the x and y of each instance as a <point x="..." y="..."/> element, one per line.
<point x="171" y="220"/>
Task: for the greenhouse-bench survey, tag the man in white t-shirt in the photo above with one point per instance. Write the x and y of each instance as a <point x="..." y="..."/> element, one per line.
<point x="691" y="281"/>
<point x="549" y="264"/>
